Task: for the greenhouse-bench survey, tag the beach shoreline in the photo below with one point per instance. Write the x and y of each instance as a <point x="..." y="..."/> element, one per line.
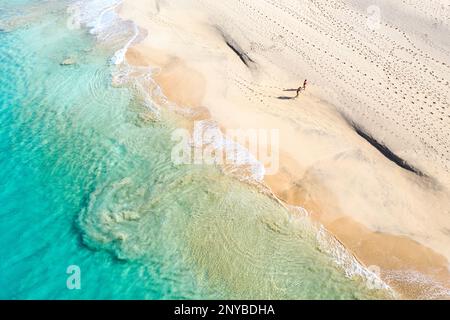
<point x="382" y="224"/>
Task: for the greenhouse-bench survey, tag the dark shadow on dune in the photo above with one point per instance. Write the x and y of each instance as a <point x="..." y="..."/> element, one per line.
<point x="157" y="6"/>
<point x="244" y="57"/>
<point x="236" y="48"/>
<point x="386" y="151"/>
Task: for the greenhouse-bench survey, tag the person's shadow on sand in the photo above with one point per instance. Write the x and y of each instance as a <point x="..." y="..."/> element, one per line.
<point x="289" y="98"/>
<point x="286" y="98"/>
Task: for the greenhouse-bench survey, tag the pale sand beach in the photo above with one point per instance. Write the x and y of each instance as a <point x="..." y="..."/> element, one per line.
<point x="366" y="149"/>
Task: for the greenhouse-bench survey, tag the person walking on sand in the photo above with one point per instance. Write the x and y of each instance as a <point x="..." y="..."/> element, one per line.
<point x="302" y="88"/>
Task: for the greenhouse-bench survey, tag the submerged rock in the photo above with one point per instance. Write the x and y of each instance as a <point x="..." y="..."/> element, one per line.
<point x="68" y="62"/>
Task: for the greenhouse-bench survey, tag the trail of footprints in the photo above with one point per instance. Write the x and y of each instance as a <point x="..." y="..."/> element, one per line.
<point x="384" y="72"/>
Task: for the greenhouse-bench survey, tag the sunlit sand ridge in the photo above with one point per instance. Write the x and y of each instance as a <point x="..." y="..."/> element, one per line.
<point x="366" y="149"/>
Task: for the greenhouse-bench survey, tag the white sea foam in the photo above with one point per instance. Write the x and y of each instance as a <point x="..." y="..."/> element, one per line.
<point x="208" y="133"/>
<point x="101" y="19"/>
<point x="96" y="15"/>
<point x="140" y="80"/>
<point x="119" y="56"/>
<point x="347" y="261"/>
<point x="430" y="288"/>
<point x="339" y="254"/>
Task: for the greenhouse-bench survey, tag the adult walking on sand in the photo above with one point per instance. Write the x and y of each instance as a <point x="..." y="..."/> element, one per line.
<point x="302" y="88"/>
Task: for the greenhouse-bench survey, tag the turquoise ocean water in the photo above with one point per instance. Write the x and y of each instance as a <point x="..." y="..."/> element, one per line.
<point x="86" y="179"/>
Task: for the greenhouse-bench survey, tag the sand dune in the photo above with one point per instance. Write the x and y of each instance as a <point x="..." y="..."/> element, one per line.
<point x="367" y="148"/>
